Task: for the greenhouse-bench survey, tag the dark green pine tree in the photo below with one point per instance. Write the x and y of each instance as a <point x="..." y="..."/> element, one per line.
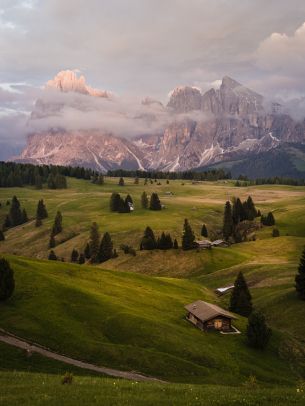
<point x="2" y="237"/>
<point x="121" y="182"/>
<point x="41" y="211"/>
<point x="115" y="202"/>
<point x="52" y="256"/>
<point x="270" y="219"/>
<point x="251" y="210"/>
<point x="144" y="200"/>
<point x="106" y="248"/>
<point x="123" y="206"/>
<point x="188" y="237"/>
<point x="87" y="251"/>
<point x="168" y="242"/>
<point x="162" y="242"/>
<point x="7" y="282"/>
<point x="81" y="259"/>
<point x="238" y="212"/>
<point x="15" y="212"/>
<point x="258" y="333"/>
<point x="300" y="277"/>
<point x="74" y="255"/>
<point x="204" y="231"/>
<point x="155" y="203"/>
<point x="24" y="216"/>
<point x="227" y="221"/>
<point x="57" y="227"/>
<point x="241" y="301"/>
<point x="94" y="242"/>
<point x="175" y="246"/>
<point x="148" y="241"/>
<point x="52" y="241"/>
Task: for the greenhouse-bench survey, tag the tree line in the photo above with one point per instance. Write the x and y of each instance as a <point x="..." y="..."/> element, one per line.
<point x="16" y="175"/>
<point x="209" y="175"/>
<point x="275" y="180"/>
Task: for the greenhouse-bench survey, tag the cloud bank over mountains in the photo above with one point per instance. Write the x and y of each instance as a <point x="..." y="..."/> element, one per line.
<point x="143" y="48"/>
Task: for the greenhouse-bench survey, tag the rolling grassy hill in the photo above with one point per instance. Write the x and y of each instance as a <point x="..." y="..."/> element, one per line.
<point x="128" y="313"/>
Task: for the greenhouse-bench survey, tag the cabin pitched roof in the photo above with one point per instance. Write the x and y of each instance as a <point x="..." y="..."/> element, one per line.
<point x="206" y="311"/>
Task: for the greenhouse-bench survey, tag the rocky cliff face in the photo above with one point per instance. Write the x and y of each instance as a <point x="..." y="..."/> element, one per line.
<point x="221" y="124"/>
<point x="67" y="81"/>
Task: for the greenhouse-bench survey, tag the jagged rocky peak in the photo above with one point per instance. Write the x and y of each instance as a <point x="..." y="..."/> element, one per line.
<point x="229" y="82"/>
<point x="237" y="99"/>
<point x="68" y="81"/>
<point x="184" y="99"/>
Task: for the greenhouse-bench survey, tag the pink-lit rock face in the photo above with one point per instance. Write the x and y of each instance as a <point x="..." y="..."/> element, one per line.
<point x="67" y="81"/>
<point x="201" y="129"/>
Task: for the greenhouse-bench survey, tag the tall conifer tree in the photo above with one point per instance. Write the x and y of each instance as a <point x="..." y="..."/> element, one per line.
<point x="188" y="237"/>
<point x="300" y="277"/>
<point x="227" y="221"/>
<point x="241" y="301"/>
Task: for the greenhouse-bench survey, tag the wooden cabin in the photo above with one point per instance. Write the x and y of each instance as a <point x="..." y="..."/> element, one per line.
<point x="203" y="244"/>
<point x="209" y="317"/>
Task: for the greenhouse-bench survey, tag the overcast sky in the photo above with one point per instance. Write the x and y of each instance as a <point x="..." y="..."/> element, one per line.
<point x="147" y="47"/>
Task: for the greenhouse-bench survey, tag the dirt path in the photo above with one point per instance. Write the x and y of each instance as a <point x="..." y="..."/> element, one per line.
<point x="35" y="348"/>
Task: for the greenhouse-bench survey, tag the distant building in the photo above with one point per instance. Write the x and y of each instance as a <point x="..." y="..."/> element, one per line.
<point x="131" y="206"/>
<point x="224" y="290"/>
<point x="203" y="244"/>
<point x="220" y="243"/>
<point x="209" y="317"/>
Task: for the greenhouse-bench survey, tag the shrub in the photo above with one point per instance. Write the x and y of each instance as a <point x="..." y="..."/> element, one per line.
<point x="67" y="379"/>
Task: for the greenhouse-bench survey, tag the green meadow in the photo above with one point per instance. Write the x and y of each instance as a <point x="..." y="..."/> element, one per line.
<point x="128" y="313"/>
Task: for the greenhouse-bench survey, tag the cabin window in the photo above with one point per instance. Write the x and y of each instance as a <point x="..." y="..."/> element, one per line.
<point x="218" y="324"/>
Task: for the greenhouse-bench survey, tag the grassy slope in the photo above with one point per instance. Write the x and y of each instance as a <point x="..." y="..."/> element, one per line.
<point x="41" y="389"/>
<point x="129" y="321"/>
<point x="37" y="380"/>
<point x="164" y="343"/>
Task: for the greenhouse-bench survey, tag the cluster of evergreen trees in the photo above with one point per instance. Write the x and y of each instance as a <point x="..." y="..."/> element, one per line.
<point x="258" y="333"/>
<point x="150" y="242"/>
<point x="268" y="220"/>
<point x="234" y="214"/>
<point x="14" y="174"/>
<point x="120" y="205"/>
<point x="210" y="175"/>
<point x="16" y="215"/>
<point x="77" y="257"/>
<point x="99" y="249"/>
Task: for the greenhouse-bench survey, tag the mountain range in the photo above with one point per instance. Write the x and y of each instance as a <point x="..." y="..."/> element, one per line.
<point x="229" y="124"/>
